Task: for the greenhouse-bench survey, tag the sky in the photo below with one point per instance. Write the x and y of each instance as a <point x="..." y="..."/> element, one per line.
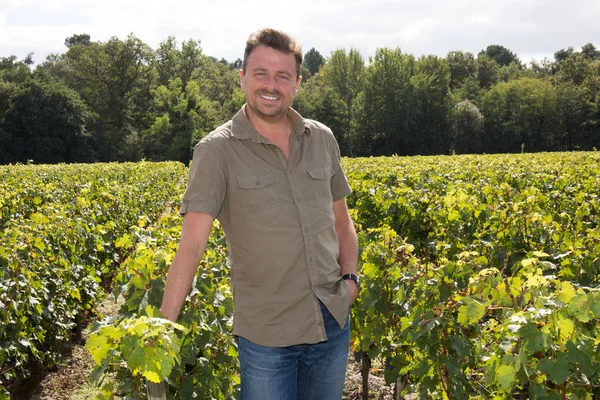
<point x="533" y="29"/>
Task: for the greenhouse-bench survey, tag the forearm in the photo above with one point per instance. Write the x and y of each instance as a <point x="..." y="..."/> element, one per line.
<point x="194" y="236"/>
<point x="179" y="281"/>
<point x="348" y="258"/>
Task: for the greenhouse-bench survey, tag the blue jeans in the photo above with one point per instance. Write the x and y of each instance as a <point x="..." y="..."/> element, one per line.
<point x="300" y="372"/>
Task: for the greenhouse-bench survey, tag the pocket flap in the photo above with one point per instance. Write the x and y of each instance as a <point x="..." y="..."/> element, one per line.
<point x="324" y="173"/>
<point x="256" y="181"/>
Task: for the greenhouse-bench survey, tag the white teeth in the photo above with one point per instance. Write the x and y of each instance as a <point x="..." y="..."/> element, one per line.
<point x="268" y="97"/>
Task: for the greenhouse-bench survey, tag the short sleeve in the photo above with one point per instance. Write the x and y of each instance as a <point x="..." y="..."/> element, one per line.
<point x="339" y="183"/>
<point x="206" y="185"/>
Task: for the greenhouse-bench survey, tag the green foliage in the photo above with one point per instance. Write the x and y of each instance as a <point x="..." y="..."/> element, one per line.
<point x="388" y="109"/>
<point x="487" y="71"/>
<point x="316" y="100"/>
<point x="184" y="117"/>
<point x="148" y="344"/>
<point x="479" y="273"/>
<point x="45" y="123"/>
<point x="78" y="40"/>
<point x="112" y="79"/>
<point x="501" y="55"/>
<point x="563" y="54"/>
<point x="520" y="111"/>
<point x="462" y="65"/>
<point x="63" y="233"/>
<point x="313" y="60"/>
<point x="431" y="82"/>
<point x="466" y="123"/>
<point x="207" y="367"/>
<point x="344" y="73"/>
<point x="110" y="111"/>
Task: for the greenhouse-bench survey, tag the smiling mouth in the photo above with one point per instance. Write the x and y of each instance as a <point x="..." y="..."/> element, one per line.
<point x="267" y="97"/>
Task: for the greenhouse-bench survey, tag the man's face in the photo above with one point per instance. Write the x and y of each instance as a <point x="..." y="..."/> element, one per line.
<point x="270" y="83"/>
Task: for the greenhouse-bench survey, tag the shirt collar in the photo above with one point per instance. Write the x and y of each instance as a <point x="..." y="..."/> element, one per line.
<point x="241" y="128"/>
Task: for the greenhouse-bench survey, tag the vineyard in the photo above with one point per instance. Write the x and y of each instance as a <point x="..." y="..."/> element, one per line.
<point x="480" y="276"/>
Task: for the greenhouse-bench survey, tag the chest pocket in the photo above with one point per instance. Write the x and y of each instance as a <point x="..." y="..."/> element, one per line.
<point x="258" y="198"/>
<point x="321" y="185"/>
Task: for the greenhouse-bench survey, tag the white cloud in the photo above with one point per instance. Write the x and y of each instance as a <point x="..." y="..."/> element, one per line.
<point x="480" y="20"/>
<point x="527" y="27"/>
<point x="419" y="30"/>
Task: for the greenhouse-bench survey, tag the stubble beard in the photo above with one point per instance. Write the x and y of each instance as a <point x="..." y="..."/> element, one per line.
<point x="275" y="115"/>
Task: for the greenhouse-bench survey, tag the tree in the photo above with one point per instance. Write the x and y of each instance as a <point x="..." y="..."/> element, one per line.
<point x="313" y="61"/>
<point x="28" y="60"/>
<point x="8" y="91"/>
<point x="590" y="52"/>
<point x="520" y="112"/>
<point x="317" y="100"/>
<point x="78" y="40"/>
<point x="114" y="79"/>
<point x="462" y="65"/>
<point x="237" y="64"/>
<point x="167" y="60"/>
<point x="573" y="108"/>
<point x="45" y="123"/>
<point x="573" y="69"/>
<point x="170" y="62"/>
<point x="487" y="71"/>
<point x="221" y="85"/>
<point x="344" y="72"/>
<point x="563" y="54"/>
<point x="511" y="71"/>
<point x="501" y="55"/>
<point x="191" y="60"/>
<point x="12" y="70"/>
<point x="467" y="128"/>
<point x="544" y="68"/>
<point x="470" y="90"/>
<point x="431" y="83"/>
<point x="183" y="118"/>
<point x="388" y="106"/>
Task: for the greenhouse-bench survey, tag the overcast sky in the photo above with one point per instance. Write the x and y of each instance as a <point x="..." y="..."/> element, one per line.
<point x="533" y="29"/>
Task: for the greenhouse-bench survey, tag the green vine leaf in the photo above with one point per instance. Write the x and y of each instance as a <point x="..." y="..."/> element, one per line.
<point x="470" y="312"/>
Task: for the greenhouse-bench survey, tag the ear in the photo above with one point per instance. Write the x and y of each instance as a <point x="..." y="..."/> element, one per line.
<point x="242" y="79"/>
<point x="298" y="83"/>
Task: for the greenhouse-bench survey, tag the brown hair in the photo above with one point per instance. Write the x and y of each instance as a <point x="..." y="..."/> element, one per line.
<point x="277" y="40"/>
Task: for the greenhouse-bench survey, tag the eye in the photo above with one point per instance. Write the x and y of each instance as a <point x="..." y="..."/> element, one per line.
<point x="284" y="77"/>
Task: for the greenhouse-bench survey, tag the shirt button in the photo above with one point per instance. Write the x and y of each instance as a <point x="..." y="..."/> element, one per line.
<point x="310" y="259"/>
<point x="258" y="182"/>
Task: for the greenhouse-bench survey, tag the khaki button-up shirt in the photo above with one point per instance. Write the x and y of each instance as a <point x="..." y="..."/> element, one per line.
<point x="277" y="215"/>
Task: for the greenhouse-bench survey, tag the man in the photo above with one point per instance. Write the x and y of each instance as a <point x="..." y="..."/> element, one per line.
<point x="275" y="182"/>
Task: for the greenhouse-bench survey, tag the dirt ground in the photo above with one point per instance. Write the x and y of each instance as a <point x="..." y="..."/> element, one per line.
<point x="70" y="380"/>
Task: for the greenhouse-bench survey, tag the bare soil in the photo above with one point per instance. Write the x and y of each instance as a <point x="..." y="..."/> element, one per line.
<point x="69" y="381"/>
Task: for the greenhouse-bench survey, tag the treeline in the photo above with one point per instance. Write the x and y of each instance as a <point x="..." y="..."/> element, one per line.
<point x="492" y="103"/>
<point x="121" y="100"/>
<point x="118" y="100"/>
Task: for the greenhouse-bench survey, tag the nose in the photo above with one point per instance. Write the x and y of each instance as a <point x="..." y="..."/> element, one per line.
<point x="271" y="82"/>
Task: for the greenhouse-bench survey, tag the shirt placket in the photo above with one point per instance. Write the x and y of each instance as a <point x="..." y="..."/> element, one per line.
<point x="305" y="225"/>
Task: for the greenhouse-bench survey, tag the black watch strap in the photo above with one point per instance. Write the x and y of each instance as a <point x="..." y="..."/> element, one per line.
<point x="352" y="277"/>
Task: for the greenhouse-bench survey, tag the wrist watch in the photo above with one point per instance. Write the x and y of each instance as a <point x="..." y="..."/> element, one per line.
<point x="352" y="277"/>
